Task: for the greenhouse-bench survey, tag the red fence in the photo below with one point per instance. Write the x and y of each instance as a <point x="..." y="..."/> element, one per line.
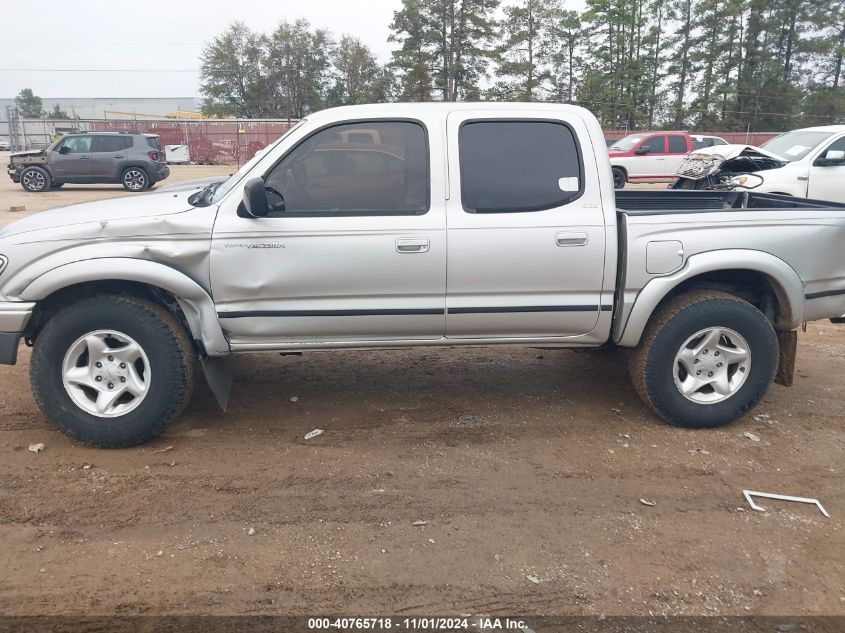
<point x="234" y="141"/>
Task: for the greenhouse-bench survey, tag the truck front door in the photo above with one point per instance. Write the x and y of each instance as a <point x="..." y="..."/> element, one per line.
<point x="526" y="248"/>
<point x="356" y="251"/>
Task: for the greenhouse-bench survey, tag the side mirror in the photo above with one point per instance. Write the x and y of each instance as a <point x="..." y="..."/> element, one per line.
<point x="831" y="158"/>
<point x="643" y="149"/>
<point x="64" y="149"/>
<point x="255" y="198"/>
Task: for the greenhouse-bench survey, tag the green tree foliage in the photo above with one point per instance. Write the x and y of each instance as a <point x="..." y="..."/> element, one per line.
<point x="411" y="60"/>
<point x="29" y="105"/>
<point x="447" y="42"/>
<point x="233" y="77"/>
<point x="637" y="64"/>
<point x="525" y="50"/>
<point x="56" y="112"/>
<point x="357" y="76"/>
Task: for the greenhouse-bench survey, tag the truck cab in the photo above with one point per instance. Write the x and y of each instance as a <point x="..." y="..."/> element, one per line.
<point x="406" y="225"/>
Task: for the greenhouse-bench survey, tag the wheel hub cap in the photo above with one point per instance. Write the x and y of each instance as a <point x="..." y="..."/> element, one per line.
<point x="106" y="373"/>
<point x="134" y="179"/>
<point x="712" y="365"/>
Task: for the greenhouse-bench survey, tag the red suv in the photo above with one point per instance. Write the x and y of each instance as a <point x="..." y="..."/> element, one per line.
<point x="648" y="156"/>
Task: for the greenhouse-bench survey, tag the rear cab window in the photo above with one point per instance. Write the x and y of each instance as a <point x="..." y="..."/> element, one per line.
<point x="112" y="143"/>
<point x="518" y="166"/>
<point x="677" y="144"/>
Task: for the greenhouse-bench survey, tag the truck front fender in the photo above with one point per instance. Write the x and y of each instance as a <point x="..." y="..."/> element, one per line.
<point x="783" y="278"/>
<point x="195" y="302"/>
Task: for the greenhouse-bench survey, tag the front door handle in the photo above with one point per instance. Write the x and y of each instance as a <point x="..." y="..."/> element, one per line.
<point x="571" y="239"/>
<point x="118" y="156"/>
<point x="412" y="245"/>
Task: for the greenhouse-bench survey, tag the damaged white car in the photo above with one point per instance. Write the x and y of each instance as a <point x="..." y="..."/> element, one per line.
<point x="808" y="163"/>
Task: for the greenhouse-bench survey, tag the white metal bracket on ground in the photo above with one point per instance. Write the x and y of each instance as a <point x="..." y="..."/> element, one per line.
<point x="768" y="495"/>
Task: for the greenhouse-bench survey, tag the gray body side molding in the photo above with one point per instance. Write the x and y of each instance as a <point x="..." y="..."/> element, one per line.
<point x="195" y="302"/>
<point x="785" y="281"/>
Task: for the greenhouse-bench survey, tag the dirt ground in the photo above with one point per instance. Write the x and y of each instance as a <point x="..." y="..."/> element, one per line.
<point x="542" y="482"/>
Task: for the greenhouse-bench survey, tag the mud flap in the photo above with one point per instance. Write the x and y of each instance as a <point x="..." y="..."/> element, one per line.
<point x="219" y="376"/>
<point x="788" y="345"/>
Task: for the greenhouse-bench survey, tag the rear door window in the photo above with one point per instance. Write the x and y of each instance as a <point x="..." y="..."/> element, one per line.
<point x="677" y="144"/>
<point x="516" y="166"/>
<point x="111" y="143"/>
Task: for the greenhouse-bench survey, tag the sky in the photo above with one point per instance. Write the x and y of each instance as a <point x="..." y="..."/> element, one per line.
<point x="44" y="44"/>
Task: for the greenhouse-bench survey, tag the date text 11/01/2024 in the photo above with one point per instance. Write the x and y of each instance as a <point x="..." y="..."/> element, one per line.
<point x="417" y="624"/>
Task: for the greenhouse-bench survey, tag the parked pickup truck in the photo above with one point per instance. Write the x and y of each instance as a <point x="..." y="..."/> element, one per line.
<point x="405" y="225"/>
<point x="648" y="156"/>
<point x="808" y="163"/>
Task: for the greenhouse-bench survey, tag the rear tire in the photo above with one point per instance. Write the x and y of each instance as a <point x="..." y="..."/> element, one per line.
<point x="705" y="360"/>
<point x="619" y="178"/>
<point x="135" y="179"/>
<point x="35" y="179"/>
<point x="112" y="371"/>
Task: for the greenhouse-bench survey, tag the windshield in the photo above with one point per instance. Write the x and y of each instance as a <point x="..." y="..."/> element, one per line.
<point x="224" y="187"/>
<point x="628" y="142"/>
<point x="796" y="145"/>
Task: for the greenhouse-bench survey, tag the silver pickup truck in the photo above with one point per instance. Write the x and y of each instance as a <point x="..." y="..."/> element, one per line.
<point x="403" y="225"/>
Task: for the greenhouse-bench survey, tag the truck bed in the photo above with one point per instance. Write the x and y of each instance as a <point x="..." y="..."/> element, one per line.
<point x="644" y="202"/>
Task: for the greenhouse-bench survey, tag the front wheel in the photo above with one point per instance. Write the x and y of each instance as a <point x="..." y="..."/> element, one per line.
<point x="705" y="360"/>
<point x="135" y="179"/>
<point x="35" y="179"/>
<point x="112" y="371"/>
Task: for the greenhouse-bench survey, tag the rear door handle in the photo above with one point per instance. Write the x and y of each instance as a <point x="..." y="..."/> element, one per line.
<point x="84" y="158"/>
<point x="412" y="245"/>
<point x="571" y="239"/>
<point x="118" y="156"/>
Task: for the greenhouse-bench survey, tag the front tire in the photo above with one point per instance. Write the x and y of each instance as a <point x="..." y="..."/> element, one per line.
<point x="35" y="179"/>
<point x="135" y="179"/>
<point x="705" y="360"/>
<point x="112" y="371"/>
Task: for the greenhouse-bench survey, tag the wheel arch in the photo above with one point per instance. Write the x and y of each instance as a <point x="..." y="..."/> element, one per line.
<point x="162" y="284"/>
<point x="762" y="279"/>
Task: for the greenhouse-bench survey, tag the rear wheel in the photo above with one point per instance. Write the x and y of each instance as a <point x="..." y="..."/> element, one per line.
<point x="619" y="178"/>
<point x="112" y="371"/>
<point x="35" y="179"/>
<point x="705" y="360"/>
<point x="135" y="179"/>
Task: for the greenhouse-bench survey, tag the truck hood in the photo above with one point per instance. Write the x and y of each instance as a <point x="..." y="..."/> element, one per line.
<point x="732" y="159"/>
<point x="111" y="209"/>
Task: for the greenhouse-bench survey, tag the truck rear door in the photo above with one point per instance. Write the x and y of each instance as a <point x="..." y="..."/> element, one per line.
<point x="526" y="231"/>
